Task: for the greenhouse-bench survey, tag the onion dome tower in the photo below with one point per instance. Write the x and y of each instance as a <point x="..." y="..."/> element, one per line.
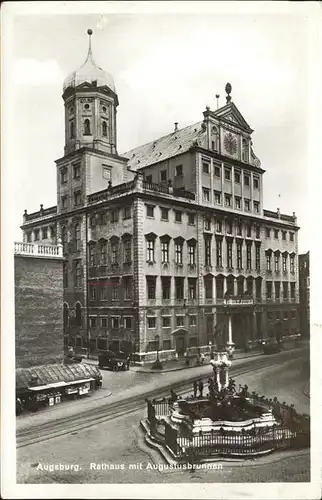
<point x="90" y="107"/>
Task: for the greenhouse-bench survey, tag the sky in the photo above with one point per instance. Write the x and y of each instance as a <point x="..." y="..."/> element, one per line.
<point x="167" y="68"/>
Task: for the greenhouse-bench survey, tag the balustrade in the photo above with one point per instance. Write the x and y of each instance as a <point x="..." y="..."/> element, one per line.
<point x="38" y="249"/>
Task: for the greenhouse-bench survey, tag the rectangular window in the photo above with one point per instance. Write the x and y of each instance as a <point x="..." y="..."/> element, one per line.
<point x="276" y="234"/>
<point x="92" y="322"/>
<point x="227" y="174"/>
<point x="218" y="225"/>
<point x="179" y="171"/>
<point x="268" y="262"/>
<point x="247" y="204"/>
<point x="284" y="235"/>
<point x="127" y="250"/>
<point x="152" y="322"/>
<point x="150" y="250"/>
<point x="180" y="320"/>
<point x="103" y="254"/>
<point x="207" y="221"/>
<point x="115" y="253"/>
<point x="150" y="211"/>
<point x="179" y="288"/>
<point x="115" y="290"/>
<point x="77" y="171"/>
<point x="258" y="289"/>
<point x="127" y="287"/>
<point x="163" y="176"/>
<point x="103" y="322"/>
<point x="166" y="345"/>
<point x="127" y="213"/>
<point x="206" y="194"/>
<point x="284" y="263"/>
<point x="277" y="290"/>
<point x="208" y="288"/>
<point x="237" y="177"/>
<point x="285" y="290"/>
<point x="164" y="252"/>
<point x="249" y="257"/>
<point x="258" y="232"/>
<point x="114" y="216"/>
<point x="207" y="251"/>
<point x="166" y="287"/>
<point x="239" y="255"/>
<point x="249" y="230"/>
<point x="164" y="213"/>
<point x="166" y="321"/>
<point x="44" y="233"/>
<point x="63" y="175"/>
<point x="218" y="253"/>
<point x="92" y="256"/>
<point x="151" y="281"/>
<point x="256" y="207"/>
<point x="246" y="180"/>
<point x="191" y="219"/>
<point x="217" y="197"/>
<point x="256" y="182"/>
<point x="93" y="292"/>
<point x="268" y="232"/>
<point x="64" y="201"/>
<point x="291" y="236"/>
<point x="178" y="253"/>
<point x="258" y="257"/>
<point x="77" y="198"/>
<point x="178" y="216"/>
<point x="217" y="171"/>
<point x="205" y="167"/>
<point x="192" y="288"/>
<point x="237" y="202"/>
<point x="292" y="263"/>
<point x="239" y="229"/>
<point x="269" y="289"/>
<point x="29" y="236"/>
<point x="227" y="200"/>
<point x="192" y="320"/>
<point x="115" y="322"/>
<point x="229" y="253"/>
<point x="103" y="293"/>
<point x="128" y="322"/>
<point x="191" y="255"/>
<point x="277" y="262"/>
<point x="148" y="179"/>
<point x="219" y="288"/>
<point x="229" y="227"/>
<point x="292" y="290"/>
<point x="106" y="173"/>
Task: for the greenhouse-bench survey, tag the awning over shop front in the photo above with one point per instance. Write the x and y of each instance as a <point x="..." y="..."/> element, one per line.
<point x="54" y="375"/>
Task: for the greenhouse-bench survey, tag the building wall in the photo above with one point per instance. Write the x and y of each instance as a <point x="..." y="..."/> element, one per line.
<point x="38" y="311"/>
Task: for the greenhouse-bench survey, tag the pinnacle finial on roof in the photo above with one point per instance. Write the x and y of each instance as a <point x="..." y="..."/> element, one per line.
<point x="228" y="91"/>
<point x="89" y="54"/>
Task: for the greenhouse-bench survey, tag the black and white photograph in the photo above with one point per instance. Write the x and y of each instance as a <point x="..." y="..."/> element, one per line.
<point x="157" y="224"/>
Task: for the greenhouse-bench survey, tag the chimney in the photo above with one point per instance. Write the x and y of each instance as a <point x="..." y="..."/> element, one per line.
<point x="175" y="126"/>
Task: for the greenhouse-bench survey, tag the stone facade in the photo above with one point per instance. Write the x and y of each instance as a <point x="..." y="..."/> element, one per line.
<point x="38" y="305"/>
<point x="304" y="291"/>
<point x="156" y="238"/>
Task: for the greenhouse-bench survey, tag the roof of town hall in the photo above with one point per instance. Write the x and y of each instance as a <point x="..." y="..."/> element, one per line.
<point x="179" y="141"/>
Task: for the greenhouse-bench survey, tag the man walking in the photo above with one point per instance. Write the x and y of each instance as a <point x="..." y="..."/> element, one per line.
<point x="200" y="385"/>
<point x="195" y="388"/>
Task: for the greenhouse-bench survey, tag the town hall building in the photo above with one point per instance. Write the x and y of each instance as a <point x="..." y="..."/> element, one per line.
<point x="168" y="245"/>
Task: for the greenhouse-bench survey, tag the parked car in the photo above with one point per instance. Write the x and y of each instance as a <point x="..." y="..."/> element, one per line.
<point x="116" y="361"/>
<point x="271" y="346"/>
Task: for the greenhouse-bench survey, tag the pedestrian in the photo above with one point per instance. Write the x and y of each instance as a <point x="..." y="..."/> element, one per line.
<point x="202" y="358"/>
<point x="195" y="388"/>
<point x="173" y="396"/>
<point x="200" y="385"/>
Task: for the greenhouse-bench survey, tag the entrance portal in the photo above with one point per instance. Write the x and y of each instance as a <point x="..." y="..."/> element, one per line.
<point x="181" y="340"/>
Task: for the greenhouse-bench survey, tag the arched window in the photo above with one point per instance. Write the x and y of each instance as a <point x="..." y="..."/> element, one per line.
<point x="66" y="315"/>
<point x="77" y="237"/>
<point x="72" y="130"/>
<point x="87" y="127"/>
<point x="104" y="129"/>
<point x="78" y="318"/>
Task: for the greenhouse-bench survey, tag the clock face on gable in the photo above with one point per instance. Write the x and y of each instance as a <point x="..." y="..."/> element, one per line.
<point x="230" y="143"/>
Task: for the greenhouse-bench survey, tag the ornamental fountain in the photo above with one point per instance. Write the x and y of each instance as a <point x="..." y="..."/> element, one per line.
<point x="225" y="422"/>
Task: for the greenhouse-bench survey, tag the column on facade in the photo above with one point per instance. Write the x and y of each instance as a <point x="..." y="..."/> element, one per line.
<point x="33" y="236"/>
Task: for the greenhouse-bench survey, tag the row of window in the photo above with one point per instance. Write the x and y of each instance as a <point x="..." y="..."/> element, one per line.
<point x="276" y="233"/>
<point x="277" y="262"/>
<point x="115" y="322"/>
<point x="106" y="173"/>
<point x="166" y="321"/>
<point x="77" y="274"/>
<point x="191" y="246"/>
<point x="112" y="291"/>
<point x="87" y="128"/>
<point x="42" y="234"/>
<point x="77" y="201"/>
<point x="98" y="254"/>
<point x="271" y="316"/>
<point x="228" y="176"/>
<point x="179" y="287"/>
<point x="228" y="200"/>
<point x="281" y="290"/>
<point x="103" y="218"/>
